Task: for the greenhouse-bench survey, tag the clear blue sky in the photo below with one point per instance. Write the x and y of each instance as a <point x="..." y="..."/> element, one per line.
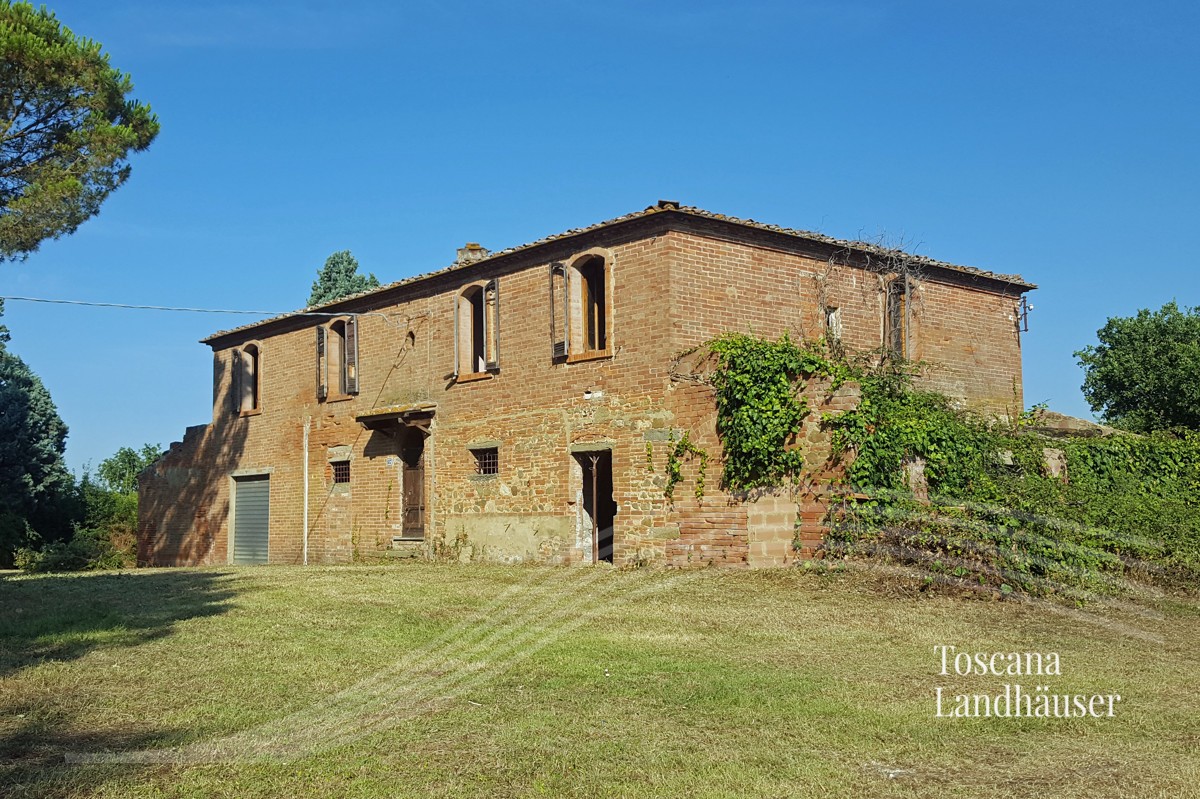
<point x="1057" y="140"/>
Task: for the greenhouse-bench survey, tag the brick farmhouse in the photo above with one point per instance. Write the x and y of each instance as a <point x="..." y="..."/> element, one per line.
<point x="520" y="405"/>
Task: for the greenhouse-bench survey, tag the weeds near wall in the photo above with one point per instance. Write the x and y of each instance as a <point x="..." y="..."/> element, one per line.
<point x="681" y="449"/>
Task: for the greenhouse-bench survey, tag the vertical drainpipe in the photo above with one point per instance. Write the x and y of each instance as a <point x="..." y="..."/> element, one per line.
<point x="431" y="500"/>
<point x="307" y="423"/>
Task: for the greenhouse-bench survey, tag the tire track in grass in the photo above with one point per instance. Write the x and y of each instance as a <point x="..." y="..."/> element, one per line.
<point x="520" y="622"/>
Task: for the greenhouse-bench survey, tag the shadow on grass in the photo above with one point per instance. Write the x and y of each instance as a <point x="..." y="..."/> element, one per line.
<point x="63" y="617"/>
<point x="58" y="618"/>
<point x="32" y="760"/>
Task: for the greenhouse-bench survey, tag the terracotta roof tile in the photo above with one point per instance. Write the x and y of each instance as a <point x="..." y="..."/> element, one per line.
<point x="663" y="206"/>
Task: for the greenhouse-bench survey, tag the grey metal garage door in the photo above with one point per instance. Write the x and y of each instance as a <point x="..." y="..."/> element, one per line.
<point x="251" y="519"/>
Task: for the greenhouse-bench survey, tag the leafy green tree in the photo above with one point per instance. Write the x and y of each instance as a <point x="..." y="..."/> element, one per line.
<point x="1144" y="375"/>
<point x="66" y="128"/>
<point x="119" y="471"/>
<point x="339" y="278"/>
<point x="37" y="493"/>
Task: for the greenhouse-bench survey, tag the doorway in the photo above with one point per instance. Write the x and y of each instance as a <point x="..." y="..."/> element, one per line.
<point x="598" y="505"/>
<point x="251" y="519"/>
<point x="412" y="457"/>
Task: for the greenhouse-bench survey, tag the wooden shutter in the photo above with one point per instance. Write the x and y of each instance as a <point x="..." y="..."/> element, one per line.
<point x="896" y="322"/>
<point x="322" y="384"/>
<point x="235" y="381"/>
<point x="456" y="299"/>
<point x="491" y="321"/>
<point x="558" y="309"/>
<point x="350" y="358"/>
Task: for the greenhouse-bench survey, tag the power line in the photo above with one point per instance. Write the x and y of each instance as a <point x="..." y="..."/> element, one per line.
<point x="386" y="317"/>
<point x="172" y="308"/>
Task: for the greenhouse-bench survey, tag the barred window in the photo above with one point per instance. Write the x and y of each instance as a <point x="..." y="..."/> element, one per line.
<point x="487" y="461"/>
<point x="341" y="471"/>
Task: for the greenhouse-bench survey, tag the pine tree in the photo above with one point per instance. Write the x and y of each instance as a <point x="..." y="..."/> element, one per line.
<point x="66" y="129"/>
<point x="34" y="482"/>
<point x="339" y="278"/>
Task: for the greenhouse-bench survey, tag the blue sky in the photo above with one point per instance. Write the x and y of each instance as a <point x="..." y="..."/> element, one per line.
<point x="1057" y="140"/>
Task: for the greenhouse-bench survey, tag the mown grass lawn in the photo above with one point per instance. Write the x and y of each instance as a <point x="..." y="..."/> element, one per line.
<point x="490" y="681"/>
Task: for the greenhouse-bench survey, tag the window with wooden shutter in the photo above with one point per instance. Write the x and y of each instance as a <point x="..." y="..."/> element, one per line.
<point x="235" y="381"/>
<point x="896" y="317"/>
<point x="457" y="311"/>
<point x="248" y="378"/>
<point x="476" y="319"/>
<point x="588" y="307"/>
<point x="491" y="334"/>
<point x="559" y="327"/>
<point x="322" y="382"/>
<point x="350" y="361"/>
<point x="336" y="348"/>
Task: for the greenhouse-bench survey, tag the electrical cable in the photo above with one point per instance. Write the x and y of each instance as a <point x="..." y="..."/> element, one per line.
<point x="129" y="306"/>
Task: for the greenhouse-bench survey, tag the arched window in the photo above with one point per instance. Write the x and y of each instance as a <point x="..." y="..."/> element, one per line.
<point x="477" y="330"/>
<point x="337" y="356"/>
<point x="593" y="302"/>
<point x="580" y="307"/>
<point x="246" y="369"/>
<point x="337" y="359"/>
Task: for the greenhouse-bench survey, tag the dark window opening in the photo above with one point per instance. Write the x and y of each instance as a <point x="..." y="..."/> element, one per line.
<point x="487" y="461"/>
<point x="595" y="306"/>
<point x="337" y="353"/>
<point x="896" y="317"/>
<point x="248" y="401"/>
<point x="833" y="322"/>
<point x="477" y="330"/>
<point x="341" y="471"/>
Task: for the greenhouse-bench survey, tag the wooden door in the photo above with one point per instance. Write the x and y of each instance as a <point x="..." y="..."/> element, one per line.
<point x="413" y="455"/>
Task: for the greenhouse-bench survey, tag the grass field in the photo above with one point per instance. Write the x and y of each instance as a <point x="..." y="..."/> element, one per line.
<point x="489" y="681"/>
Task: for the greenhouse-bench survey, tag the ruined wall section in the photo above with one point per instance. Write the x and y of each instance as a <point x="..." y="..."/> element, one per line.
<point x="765" y="527"/>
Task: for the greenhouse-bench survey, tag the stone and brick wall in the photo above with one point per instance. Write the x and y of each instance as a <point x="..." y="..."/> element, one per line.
<point x="672" y="288"/>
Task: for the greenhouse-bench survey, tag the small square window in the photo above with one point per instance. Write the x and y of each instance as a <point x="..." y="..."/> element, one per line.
<point x="341" y="471"/>
<point x="487" y="461"/>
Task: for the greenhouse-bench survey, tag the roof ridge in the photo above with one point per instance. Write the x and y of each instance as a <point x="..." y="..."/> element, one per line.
<point x="663" y="206"/>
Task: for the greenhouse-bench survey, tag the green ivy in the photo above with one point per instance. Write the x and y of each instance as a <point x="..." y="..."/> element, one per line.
<point x="684" y="448"/>
<point x="759" y="409"/>
<point x="894" y="423"/>
<point x="1130" y="505"/>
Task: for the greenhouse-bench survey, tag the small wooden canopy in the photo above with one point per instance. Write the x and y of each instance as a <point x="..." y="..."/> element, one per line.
<point x="393" y="418"/>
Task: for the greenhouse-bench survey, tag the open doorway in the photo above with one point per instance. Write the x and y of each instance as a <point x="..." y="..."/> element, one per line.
<point x="599" y="508"/>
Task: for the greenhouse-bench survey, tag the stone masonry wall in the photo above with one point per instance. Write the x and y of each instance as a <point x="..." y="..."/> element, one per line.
<point x="670" y="290"/>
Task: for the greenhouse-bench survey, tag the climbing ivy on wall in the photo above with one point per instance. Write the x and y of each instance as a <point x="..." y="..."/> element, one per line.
<point x="684" y="448"/>
<point x="997" y="517"/>
<point x="759" y="408"/>
<point x="894" y="423"/>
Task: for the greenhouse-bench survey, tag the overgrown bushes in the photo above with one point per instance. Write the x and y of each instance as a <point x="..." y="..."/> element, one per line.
<point x="105" y="525"/>
<point x="1130" y="505"/>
